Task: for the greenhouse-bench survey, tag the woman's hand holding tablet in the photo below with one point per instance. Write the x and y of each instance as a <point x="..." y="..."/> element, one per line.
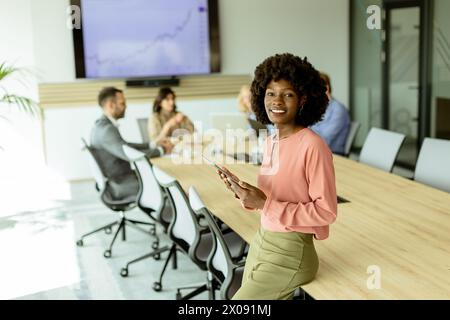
<point x="222" y="170"/>
<point x="251" y="197"/>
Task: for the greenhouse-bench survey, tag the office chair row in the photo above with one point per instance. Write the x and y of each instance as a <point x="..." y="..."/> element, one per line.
<point x="187" y="230"/>
<point x="209" y="243"/>
<point x="219" y="251"/>
<point x="381" y="147"/>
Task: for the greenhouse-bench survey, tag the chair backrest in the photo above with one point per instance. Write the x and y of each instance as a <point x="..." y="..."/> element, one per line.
<point x="381" y="148"/>
<point x="143" y="129"/>
<point x="96" y="170"/>
<point x="433" y="164"/>
<point x="220" y="262"/>
<point x="354" y="127"/>
<point x="220" y="255"/>
<point x="184" y="225"/>
<point x="150" y="195"/>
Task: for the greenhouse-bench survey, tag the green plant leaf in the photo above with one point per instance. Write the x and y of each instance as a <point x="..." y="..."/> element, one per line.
<point x="6" y="70"/>
<point x="26" y="104"/>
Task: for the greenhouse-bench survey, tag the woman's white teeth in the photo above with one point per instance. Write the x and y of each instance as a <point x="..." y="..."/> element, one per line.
<point x="278" y="111"/>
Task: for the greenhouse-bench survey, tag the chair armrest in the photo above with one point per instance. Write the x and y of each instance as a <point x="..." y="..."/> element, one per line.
<point x="239" y="264"/>
<point x="203" y="229"/>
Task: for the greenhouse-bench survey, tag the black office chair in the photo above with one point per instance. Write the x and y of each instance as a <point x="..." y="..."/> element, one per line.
<point x="188" y="235"/>
<point x="226" y="270"/>
<point x="151" y="199"/>
<point x="121" y="206"/>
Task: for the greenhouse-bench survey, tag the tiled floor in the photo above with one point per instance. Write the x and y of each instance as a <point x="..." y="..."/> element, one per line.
<point x="41" y="261"/>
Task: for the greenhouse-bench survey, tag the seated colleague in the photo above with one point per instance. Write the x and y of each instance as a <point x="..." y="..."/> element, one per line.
<point x="335" y="125"/>
<point x="244" y="103"/>
<point x="245" y="106"/>
<point x="107" y="143"/>
<point x="166" y="119"/>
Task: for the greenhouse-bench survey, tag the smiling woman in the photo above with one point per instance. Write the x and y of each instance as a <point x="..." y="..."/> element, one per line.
<point x="291" y="81"/>
<point x="282" y="103"/>
<point x="296" y="193"/>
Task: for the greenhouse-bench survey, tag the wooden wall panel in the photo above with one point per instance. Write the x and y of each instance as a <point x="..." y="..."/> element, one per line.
<point x="84" y="92"/>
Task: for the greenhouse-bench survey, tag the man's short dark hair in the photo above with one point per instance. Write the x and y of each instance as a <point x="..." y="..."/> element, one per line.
<point x="107" y="93"/>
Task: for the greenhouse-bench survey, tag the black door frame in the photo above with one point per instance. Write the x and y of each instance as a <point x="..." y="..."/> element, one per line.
<point x="425" y="64"/>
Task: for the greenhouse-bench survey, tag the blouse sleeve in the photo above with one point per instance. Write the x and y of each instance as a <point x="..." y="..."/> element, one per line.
<point x="188" y="125"/>
<point x="321" y="210"/>
<point x="154" y="127"/>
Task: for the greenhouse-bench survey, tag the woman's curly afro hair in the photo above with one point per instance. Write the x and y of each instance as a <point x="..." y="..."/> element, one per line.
<point x="301" y="75"/>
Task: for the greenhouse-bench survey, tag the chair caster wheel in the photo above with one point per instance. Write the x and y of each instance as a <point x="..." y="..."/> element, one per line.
<point x="155" y="245"/>
<point x="178" y="296"/>
<point x="157" y="286"/>
<point x="124" y="272"/>
<point x="157" y="256"/>
<point x="108" y="230"/>
<point x="107" y="254"/>
<point x="80" y="243"/>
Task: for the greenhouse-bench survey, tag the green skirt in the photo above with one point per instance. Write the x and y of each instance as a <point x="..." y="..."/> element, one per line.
<point x="277" y="264"/>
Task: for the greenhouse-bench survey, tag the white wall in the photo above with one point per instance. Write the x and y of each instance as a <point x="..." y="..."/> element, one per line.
<point x="25" y="182"/>
<point x="252" y="30"/>
<point x="22" y="132"/>
<point x="16" y="32"/>
<point x="53" y="44"/>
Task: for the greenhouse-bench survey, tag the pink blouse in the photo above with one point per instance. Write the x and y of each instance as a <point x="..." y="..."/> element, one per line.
<point x="297" y="176"/>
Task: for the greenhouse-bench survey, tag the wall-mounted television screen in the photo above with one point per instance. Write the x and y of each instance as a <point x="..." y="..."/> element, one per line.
<point x="146" y="38"/>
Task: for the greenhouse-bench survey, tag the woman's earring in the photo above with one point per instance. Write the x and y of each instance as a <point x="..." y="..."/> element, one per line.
<point x="300" y="110"/>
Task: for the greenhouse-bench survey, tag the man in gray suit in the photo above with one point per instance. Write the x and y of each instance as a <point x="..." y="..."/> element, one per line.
<point x="107" y="143"/>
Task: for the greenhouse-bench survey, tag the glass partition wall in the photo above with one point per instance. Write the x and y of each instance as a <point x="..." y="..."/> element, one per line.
<point x="365" y="73"/>
<point x="440" y="92"/>
<point x="400" y="72"/>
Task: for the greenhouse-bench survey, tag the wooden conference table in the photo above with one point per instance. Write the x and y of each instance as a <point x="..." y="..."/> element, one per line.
<point x="391" y="241"/>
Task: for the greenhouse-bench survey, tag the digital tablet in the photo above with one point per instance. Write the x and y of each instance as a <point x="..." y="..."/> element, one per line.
<point x="212" y="163"/>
